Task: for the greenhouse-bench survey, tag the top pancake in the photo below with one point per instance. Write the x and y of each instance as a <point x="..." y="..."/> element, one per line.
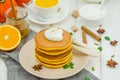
<point x="46" y="44"/>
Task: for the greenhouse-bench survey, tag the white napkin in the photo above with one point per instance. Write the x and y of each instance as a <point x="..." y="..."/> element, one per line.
<point x="3" y="70"/>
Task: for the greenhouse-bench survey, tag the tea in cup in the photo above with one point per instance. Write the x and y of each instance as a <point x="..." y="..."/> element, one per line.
<point x="46" y="8"/>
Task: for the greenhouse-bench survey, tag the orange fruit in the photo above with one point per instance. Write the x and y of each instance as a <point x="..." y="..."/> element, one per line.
<point x="10" y="37"/>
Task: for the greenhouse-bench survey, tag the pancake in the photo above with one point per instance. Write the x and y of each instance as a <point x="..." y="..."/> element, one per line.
<point x="54" y="52"/>
<point x="54" y="59"/>
<point x="63" y="60"/>
<point x="51" y="57"/>
<point x="53" y="66"/>
<point x="43" y="43"/>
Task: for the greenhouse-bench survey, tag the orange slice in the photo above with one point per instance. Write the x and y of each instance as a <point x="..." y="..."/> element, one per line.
<point x="10" y="37"/>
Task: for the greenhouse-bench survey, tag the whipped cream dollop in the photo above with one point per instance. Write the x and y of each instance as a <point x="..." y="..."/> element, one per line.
<point x="54" y="34"/>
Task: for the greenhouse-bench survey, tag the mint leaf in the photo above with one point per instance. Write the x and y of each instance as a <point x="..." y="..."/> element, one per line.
<point x="107" y="38"/>
<point x="71" y="65"/>
<point x="86" y="78"/>
<point x="71" y="33"/>
<point x="66" y="66"/>
<point x="100" y="48"/>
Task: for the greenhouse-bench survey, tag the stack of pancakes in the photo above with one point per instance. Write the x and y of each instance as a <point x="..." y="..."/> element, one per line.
<point x="53" y="54"/>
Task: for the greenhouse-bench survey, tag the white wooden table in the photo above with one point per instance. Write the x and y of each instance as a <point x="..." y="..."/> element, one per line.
<point x="111" y="23"/>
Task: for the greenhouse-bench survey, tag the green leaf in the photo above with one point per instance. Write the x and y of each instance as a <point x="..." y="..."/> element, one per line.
<point x="86" y="78"/>
<point x="93" y="69"/>
<point x="107" y="38"/>
<point x="100" y="48"/>
<point x="66" y="66"/>
<point x="71" y="65"/>
<point x="71" y="33"/>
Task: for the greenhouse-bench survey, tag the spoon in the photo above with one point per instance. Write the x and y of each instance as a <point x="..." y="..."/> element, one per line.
<point x="102" y="3"/>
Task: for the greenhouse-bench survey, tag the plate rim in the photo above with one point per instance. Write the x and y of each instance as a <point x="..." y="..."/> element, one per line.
<point x="82" y="67"/>
<point x="53" y="21"/>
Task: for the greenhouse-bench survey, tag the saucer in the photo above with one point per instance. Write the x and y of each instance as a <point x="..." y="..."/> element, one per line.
<point x="93" y="12"/>
<point x="62" y="14"/>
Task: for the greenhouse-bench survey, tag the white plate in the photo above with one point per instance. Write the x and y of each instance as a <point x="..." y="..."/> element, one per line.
<point x="27" y="60"/>
<point x="57" y="18"/>
<point x="93" y="12"/>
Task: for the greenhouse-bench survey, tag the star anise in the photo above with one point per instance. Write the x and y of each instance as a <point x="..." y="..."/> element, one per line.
<point x="111" y="63"/>
<point x="37" y="67"/>
<point x="100" y="30"/>
<point x="114" y="43"/>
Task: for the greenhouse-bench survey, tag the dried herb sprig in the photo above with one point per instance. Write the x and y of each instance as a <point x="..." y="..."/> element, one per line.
<point x="93" y="68"/>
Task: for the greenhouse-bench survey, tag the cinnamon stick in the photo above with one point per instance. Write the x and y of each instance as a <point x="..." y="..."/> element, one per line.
<point x="91" y="33"/>
<point x="13" y="9"/>
<point x="84" y="37"/>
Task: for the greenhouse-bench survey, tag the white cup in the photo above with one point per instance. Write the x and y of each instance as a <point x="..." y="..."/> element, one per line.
<point x="46" y="13"/>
